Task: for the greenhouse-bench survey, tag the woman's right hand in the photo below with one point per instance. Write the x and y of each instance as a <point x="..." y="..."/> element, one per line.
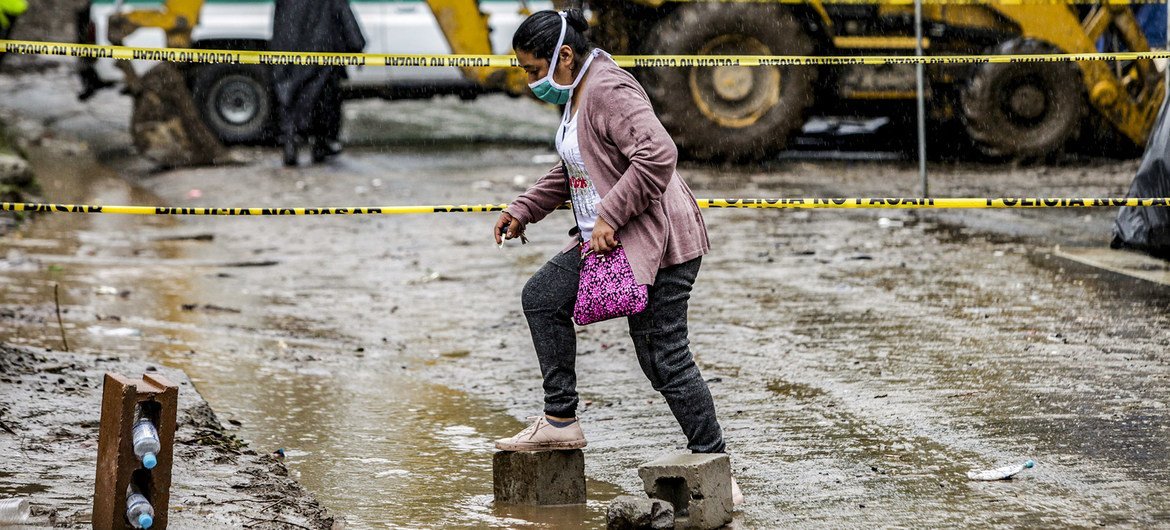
<point x="507" y="227"/>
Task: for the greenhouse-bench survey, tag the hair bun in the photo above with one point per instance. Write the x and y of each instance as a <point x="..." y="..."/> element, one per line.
<point x="576" y="20"/>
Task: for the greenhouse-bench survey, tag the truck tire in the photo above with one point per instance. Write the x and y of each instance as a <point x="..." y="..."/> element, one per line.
<point x="236" y="101"/>
<point x="730" y="112"/>
<point x="1023" y="110"/>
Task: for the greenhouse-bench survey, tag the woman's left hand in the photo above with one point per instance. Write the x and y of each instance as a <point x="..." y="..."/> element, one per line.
<point x="603" y="239"/>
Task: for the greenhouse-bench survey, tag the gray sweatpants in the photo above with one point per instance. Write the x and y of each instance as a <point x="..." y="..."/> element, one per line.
<point x="660" y="341"/>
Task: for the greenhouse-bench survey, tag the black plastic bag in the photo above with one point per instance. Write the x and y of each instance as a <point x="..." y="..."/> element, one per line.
<point x="1148" y="228"/>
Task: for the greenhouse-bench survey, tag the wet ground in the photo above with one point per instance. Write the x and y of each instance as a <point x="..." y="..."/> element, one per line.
<point x="49" y="416"/>
<point x="861" y="361"/>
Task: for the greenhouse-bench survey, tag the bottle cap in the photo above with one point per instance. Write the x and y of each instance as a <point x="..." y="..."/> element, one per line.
<point x="145" y="520"/>
<point x="149" y="460"/>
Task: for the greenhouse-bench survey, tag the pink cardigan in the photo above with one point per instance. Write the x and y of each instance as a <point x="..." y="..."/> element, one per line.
<point x="631" y="159"/>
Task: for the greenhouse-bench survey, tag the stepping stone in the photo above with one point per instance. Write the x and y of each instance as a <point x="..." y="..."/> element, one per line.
<point x="539" y="477"/>
<point x="697" y="485"/>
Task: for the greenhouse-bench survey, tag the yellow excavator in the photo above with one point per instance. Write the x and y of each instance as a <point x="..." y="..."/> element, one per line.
<point x="1019" y="110"/>
<point x="1015" y="110"/>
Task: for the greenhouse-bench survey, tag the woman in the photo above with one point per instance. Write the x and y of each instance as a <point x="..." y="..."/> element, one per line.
<point x="619" y="172"/>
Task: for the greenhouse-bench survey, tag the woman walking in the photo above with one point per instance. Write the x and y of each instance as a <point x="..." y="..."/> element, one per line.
<point x="619" y="171"/>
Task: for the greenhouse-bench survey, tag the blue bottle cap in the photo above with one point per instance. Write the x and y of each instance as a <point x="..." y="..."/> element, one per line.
<point x="145" y="520"/>
<point x="149" y="461"/>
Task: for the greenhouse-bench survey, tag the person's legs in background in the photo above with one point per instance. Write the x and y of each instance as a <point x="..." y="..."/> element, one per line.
<point x="6" y="30"/>
<point x="288" y="135"/>
<point x="327" y="114"/>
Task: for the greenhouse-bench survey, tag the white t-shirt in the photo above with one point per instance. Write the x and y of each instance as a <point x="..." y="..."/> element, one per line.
<point x="583" y="193"/>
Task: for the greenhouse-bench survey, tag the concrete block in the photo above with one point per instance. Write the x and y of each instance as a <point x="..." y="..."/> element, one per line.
<point x="698" y="485"/>
<point x="539" y="477"/>
<point x="628" y="512"/>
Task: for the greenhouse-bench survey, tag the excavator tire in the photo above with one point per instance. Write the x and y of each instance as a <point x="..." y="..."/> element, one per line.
<point x="1023" y="111"/>
<point x="729" y="112"/>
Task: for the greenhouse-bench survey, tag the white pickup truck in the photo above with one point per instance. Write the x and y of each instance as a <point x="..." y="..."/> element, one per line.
<point x="236" y="101"/>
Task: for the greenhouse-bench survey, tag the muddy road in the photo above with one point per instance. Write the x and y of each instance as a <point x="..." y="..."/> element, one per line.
<point x="861" y="361"/>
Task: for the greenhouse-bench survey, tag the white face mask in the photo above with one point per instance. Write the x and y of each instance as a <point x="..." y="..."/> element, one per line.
<point x="548" y="89"/>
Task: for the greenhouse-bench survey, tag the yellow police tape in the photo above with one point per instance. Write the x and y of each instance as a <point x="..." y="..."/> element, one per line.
<point x="782" y="203"/>
<point x="190" y="55"/>
<point x="935" y="2"/>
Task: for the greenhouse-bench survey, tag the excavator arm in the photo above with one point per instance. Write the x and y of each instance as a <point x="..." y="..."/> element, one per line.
<point x="175" y="17"/>
<point x="467" y="31"/>
<point x="165" y="125"/>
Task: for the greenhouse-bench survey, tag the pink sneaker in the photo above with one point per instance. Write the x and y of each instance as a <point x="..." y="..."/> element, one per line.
<point x="541" y="436"/>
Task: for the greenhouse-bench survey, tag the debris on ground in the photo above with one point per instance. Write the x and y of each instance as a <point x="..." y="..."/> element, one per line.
<point x="1000" y="473"/>
<point x="219" y="480"/>
<point x="166" y="126"/>
<point x="628" y="512"/>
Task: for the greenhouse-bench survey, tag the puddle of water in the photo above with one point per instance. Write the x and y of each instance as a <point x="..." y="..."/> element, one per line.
<point x="375" y="443"/>
<point x="380" y="446"/>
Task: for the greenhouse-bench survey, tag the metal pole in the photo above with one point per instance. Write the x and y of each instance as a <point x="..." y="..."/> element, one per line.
<point x="920" y="74"/>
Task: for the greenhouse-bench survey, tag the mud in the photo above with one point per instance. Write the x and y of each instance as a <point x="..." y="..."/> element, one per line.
<point x="861" y="361"/>
<point x="49" y="414"/>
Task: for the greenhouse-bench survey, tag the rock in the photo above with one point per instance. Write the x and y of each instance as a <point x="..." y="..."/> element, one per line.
<point x="628" y="512"/>
<point x="14" y="171"/>
<point x="166" y="126"/>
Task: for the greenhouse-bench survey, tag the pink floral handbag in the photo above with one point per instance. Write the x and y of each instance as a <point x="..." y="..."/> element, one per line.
<point x="607" y="288"/>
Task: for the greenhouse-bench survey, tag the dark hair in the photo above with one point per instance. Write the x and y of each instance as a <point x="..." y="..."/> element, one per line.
<point x="539" y="32"/>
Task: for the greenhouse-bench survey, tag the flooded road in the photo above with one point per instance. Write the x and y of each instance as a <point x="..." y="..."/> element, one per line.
<point x="374" y="442"/>
<point x="861" y="362"/>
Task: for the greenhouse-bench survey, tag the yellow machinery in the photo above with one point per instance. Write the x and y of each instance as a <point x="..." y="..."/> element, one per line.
<point x="1012" y="110"/>
<point x="1018" y="110"/>
<point x="174" y="105"/>
<point x="464" y="25"/>
<point x="165" y="125"/>
<point x="468" y="32"/>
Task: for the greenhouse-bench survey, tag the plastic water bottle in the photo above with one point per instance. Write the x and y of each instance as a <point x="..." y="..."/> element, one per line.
<point x="13" y="511"/>
<point x="138" y="510"/>
<point x="146" y="444"/>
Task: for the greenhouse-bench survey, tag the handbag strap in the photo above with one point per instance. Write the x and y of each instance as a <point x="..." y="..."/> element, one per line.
<point x="569" y="189"/>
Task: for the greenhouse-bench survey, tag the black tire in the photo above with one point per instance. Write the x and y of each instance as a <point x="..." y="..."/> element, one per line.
<point x="236" y="101"/>
<point x="1023" y="110"/>
<point x="730" y="113"/>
